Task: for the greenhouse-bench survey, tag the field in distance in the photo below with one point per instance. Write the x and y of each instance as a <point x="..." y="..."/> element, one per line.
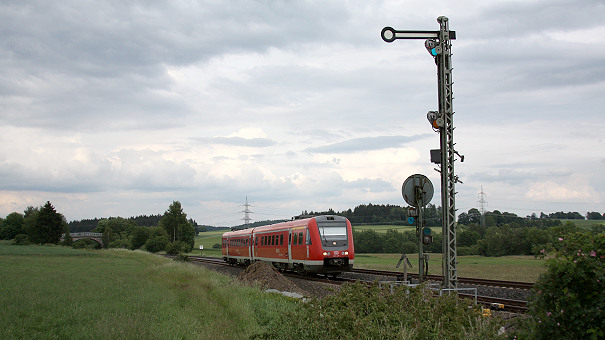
<point x="511" y="268"/>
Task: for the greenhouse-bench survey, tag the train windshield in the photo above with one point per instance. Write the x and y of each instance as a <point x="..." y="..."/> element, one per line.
<point x="333" y="230"/>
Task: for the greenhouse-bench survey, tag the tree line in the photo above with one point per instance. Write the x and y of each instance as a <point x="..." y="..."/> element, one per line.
<point x="499" y="234"/>
<point x="172" y="233"/>
<point x="86" y="225"/>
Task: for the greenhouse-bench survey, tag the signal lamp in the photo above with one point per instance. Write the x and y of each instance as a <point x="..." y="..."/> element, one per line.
<point x="433" y="47"/>
<point x="435" y="119"/>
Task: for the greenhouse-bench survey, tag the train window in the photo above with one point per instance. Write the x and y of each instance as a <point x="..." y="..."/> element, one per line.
<point x="289" y="238"/>
<point x="308" y="237"/>
<point x="295" y="239"/>
<point x="281" y="239"/>
<point x="300" y="238"/>
<point x="272" y="240"/>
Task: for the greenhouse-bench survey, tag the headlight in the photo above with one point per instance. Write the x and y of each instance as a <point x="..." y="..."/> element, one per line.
<point x="326" y="253"/>
<point x="345" y="253"/>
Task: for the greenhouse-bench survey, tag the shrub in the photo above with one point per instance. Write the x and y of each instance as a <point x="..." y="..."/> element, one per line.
<point x="156" y="244"/>
<point x="86" y="244"/>
<point x="182" y="258"/>
<point x="122" y="243"/>
<point x="21" y="240"/>
<point x="568" y="299"/>
<point x="362" y="312"/>
<point x="216" y="246"/>
<point x="174" y="248"/>
<point x="68" y="241"/>
<point x="467" y="251"/>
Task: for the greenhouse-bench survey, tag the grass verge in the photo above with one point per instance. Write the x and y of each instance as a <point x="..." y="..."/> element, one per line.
<point x="111" y="294"/>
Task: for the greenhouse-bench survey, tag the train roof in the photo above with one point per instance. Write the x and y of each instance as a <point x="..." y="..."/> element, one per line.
<point x="293" y="223"/>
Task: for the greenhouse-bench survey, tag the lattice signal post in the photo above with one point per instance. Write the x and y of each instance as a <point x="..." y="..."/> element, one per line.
<point x="438" y="43"/>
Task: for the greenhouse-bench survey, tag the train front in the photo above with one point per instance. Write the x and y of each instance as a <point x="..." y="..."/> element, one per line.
<point x="335" y="243"/>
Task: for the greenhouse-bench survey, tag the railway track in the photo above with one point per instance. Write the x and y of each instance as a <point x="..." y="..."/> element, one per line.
<point x="498" y="303"/>
<point x="464" y="280"/>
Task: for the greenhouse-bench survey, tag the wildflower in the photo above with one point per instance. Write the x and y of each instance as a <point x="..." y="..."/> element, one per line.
<point x="593" y="253"/>
<point x="560" y="239"/>
<point x="548" y="313"/>
<point x="542" y="251"/>
<point x="562" y="310"/>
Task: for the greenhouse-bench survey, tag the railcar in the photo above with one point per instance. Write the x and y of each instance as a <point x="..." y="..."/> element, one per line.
<point x="320" y="244"/>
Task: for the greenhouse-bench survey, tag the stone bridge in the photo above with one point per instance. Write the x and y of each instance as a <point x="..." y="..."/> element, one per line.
<point x="98" y="237"/>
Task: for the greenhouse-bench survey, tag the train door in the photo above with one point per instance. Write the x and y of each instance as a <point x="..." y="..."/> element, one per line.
<point x="253" y="248"/>
<point x="289" y="247"/>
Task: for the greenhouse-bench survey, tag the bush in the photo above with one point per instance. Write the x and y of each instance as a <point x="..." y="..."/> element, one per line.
<point x="174" y="248"/>
<point x="362" y="312"/>
<point x="122" y="243"/>
<point x="21" y="240"/>
<point x="568" y="300"/>
<point x="467" y="251"/>
<point x="182" y="258"/>
<point x="156" y="244"/>
<point x="216" y="246"/>
<point x="86" y="244"/>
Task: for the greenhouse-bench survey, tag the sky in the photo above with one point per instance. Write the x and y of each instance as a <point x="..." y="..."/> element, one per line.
<point x="119" y="108"/>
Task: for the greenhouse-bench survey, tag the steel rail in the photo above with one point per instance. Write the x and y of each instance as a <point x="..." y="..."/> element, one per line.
<point x="467" y="280"/>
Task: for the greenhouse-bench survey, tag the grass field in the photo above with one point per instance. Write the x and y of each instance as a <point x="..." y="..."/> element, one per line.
<point x="62" y="293"/>
<point x="513" y="268"/>
<point x="584" y="223"/>
<point x="208" y="239"/>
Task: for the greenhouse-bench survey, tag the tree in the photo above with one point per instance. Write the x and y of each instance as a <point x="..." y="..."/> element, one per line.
<point x="107" y="236"/>
<point x="176" y="225"/>
<point x="139" y="237"/>
<point x="156" y="244"/>
<point x="593" y="215"/>
<point x="45" y="225"/>
<point x="120" y="227"/>
<point x="68" y="241"/>
<point x="11" y="226"/>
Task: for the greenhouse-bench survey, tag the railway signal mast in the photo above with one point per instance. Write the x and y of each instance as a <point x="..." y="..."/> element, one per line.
<point x="438" y="43"/>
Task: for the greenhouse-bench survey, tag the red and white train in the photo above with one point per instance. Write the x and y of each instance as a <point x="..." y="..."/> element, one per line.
<point x="320" y="244"/>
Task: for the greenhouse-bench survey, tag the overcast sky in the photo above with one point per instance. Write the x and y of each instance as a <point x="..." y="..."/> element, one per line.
<point x="118" y="108"/>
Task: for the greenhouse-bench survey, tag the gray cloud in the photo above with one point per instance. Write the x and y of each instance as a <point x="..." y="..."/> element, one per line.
<point x="366" y="144"/>
<point x="102" y="104"/>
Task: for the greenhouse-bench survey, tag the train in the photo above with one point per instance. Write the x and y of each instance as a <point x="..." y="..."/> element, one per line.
<point x="314" y="245"/>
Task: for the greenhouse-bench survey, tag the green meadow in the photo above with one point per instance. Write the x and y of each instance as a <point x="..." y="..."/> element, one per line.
<point x="512" y="268"/>
<point x="50" y="292"/>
